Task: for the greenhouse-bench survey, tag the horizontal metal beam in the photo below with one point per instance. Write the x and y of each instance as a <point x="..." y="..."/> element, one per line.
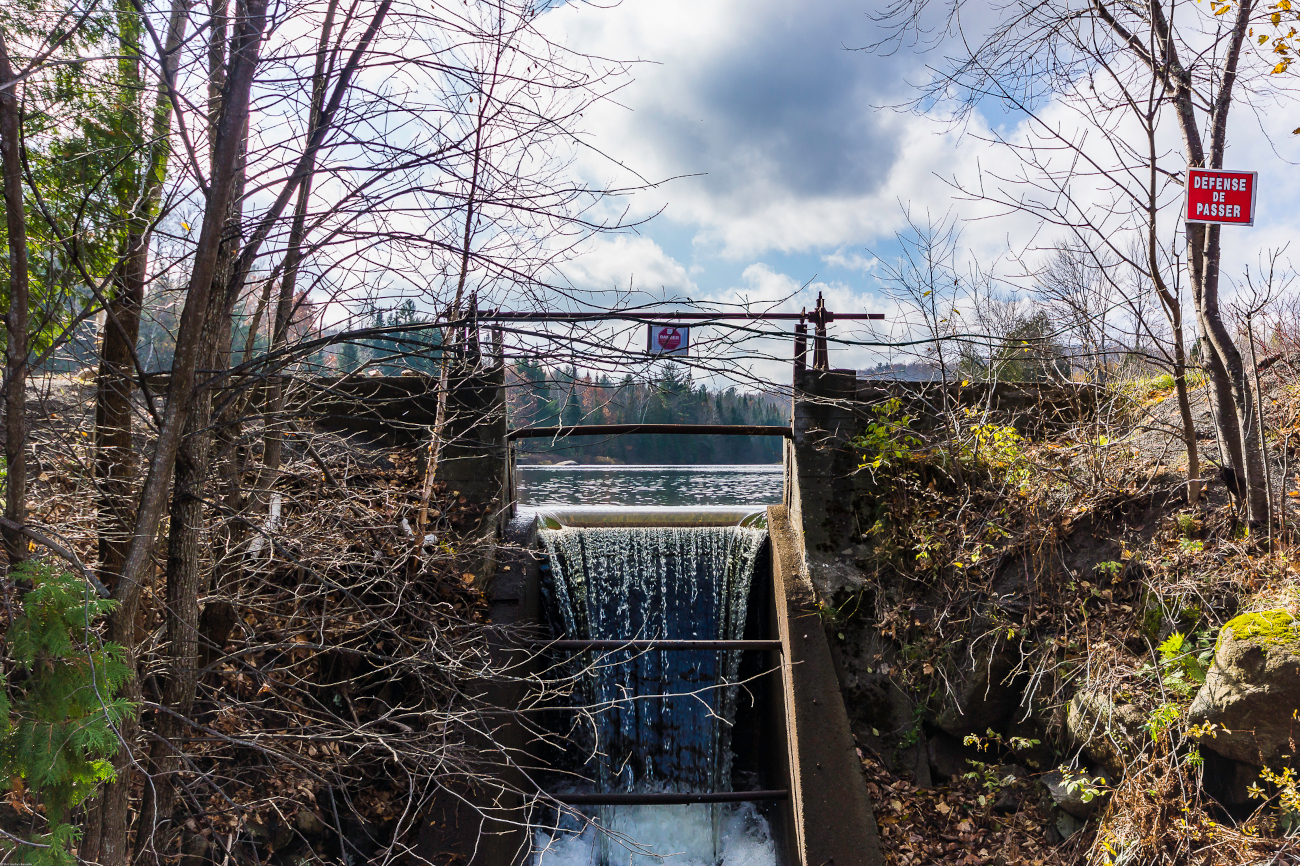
<point x="620" y="429"/>
<point x="664" y="798"/>
<point x="663" y="317"/>
<point x="666" y="644"/>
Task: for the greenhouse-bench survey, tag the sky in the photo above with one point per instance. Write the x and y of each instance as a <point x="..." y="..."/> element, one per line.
<point x="792" y="172"/>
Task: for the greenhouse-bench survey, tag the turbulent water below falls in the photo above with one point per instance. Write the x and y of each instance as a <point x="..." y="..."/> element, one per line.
<point x="671" y="835"/>
<point x="661" y="719"/>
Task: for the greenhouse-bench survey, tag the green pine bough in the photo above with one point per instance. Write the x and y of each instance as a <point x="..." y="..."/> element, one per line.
<point x="60" y="708"/>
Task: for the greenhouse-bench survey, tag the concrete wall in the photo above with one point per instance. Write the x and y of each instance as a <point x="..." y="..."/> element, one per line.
<point x="830" y="821"/>
<point x="473" y="457"/>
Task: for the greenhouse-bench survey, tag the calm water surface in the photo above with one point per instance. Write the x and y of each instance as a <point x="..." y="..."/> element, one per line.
<point x="752" y="484"/>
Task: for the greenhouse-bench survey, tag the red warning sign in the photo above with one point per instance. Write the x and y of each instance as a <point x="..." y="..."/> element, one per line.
<point x="668" y="340"/>
<point x="1221" y="196"/>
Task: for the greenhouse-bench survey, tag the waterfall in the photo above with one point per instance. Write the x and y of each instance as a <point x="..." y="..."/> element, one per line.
<point x="661" y="718"/>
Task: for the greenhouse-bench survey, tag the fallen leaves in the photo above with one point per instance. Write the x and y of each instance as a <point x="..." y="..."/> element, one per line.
<point x="947" y="826"/>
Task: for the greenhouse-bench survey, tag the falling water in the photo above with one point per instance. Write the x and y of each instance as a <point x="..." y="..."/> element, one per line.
<point x="661" y="718"/>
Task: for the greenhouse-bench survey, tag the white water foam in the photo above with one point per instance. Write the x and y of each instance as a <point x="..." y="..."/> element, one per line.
<point x="668" y="835"/>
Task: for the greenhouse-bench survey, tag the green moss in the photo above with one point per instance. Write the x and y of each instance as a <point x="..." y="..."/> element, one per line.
<point x="1276" y="627"/>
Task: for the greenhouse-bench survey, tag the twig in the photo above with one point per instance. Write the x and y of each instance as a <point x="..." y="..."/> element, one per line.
<point x="65" y="553"/>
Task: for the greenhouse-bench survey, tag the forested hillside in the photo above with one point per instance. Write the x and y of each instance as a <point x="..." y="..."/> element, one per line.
<point x="542" y="397"/>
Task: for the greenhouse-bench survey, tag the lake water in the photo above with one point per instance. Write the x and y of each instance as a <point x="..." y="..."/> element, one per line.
<point x="751" y="484"/>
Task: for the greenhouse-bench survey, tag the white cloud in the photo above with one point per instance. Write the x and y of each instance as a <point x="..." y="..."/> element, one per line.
<point x="775" y="134"/>
<point x="617" y="263"/>
<point x="851" y="261"/>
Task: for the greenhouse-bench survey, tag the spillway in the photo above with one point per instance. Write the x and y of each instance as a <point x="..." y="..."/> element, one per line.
<point x="654" y="719"/>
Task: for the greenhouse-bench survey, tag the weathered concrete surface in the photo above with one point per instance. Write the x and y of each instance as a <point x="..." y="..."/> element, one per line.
<point x="396" y="410"/>
<point x="819" y="460"/>
<point x="832" y="820"/>
<point x="514" y="591"/>
<point x="472" y="457"/>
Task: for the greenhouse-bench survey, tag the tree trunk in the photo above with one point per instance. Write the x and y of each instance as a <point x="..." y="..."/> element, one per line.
<point x="1189" y="425"/>
<point x="274" y="439"/>
<point x="109" y="816"/>
<point x="1232" y="394"/>
<point x="115" y="456"/>
<point x="15" y="397"/>
<point x="184" y="586"/>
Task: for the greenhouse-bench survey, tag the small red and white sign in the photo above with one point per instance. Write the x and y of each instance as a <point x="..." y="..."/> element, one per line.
<point x="1216" y="195"/>
<point x="668" y="340"/>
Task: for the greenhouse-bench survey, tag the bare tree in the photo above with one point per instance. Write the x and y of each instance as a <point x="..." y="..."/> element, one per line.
<point x="16" y="312"/>
<point x="1149" y="61"/>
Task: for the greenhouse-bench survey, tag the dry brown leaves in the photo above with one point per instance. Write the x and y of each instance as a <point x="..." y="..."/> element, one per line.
<point x="949" y="825"/>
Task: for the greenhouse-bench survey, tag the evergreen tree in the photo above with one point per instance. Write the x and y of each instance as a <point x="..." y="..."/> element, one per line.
<point x="349" y="358"/>
<point x="540" y="397"/>
<point x="59" y="718"/>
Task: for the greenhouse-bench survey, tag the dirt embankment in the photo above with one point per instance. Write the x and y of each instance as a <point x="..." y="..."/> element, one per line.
<point x="335" y="706"/>
<point x="1020" y="641"/>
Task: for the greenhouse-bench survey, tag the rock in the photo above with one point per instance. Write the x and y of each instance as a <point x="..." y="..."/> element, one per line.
<point x="1073" y="802"/>
<point x="1036" y="756"/>
<point x="1108" y="734"/>
<point x="983" y="698"/>
<point x="1229" y="783"/>
<point x="194" y="849"/>
<point x="1011" y="778"/>
<point x="949" y="757"/>
<point x="309" y="823"/>
<point x="274" y="834"/>
<point x="1067" y="825"/>
<point x="1252" y="689"/>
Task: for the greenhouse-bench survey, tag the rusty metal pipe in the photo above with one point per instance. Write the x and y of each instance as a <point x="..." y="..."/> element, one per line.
<point x="665" y="798"/>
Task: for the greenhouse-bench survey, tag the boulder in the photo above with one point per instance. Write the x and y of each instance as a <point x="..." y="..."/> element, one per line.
<point x="984" y="697"/>
<point x="1020" y="736"/>
<point x="1073" y="801"/>
<point x="1110" y="734"/>
<point x="1067" y="825"/>
<point x="949" y="757"/>
<point x="1252" y="690"/>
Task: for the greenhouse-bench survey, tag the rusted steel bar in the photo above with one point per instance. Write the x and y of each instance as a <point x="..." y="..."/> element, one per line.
<point x="800" y="346"/>
<point x="657" y="317"/>
<point x="619" y="429"/>
<point x="666" y="798"/>
<point x="666" y="644"/>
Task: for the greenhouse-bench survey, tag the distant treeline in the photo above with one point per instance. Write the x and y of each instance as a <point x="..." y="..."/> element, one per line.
<point x="543" y="397"/>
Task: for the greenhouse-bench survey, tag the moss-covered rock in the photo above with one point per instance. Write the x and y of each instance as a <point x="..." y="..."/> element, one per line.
<point x="1252" y="690"/>
<point x="1271" y="627"/>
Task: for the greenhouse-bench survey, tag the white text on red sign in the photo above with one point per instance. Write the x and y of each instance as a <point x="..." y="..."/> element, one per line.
<point x="668" y="340"/>
<point x="1221" y="196"/>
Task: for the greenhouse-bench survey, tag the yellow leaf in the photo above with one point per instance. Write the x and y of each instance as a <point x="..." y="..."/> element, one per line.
<point x="1284" y="5"/>
<point x="1262" y="38"/>
<point x="1222" y="9"/>
<point x="1276" y="18"/>
<point x="1281" y="67"/>
<point x="1295" y="132"/>
<point x="185" y="225"/>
